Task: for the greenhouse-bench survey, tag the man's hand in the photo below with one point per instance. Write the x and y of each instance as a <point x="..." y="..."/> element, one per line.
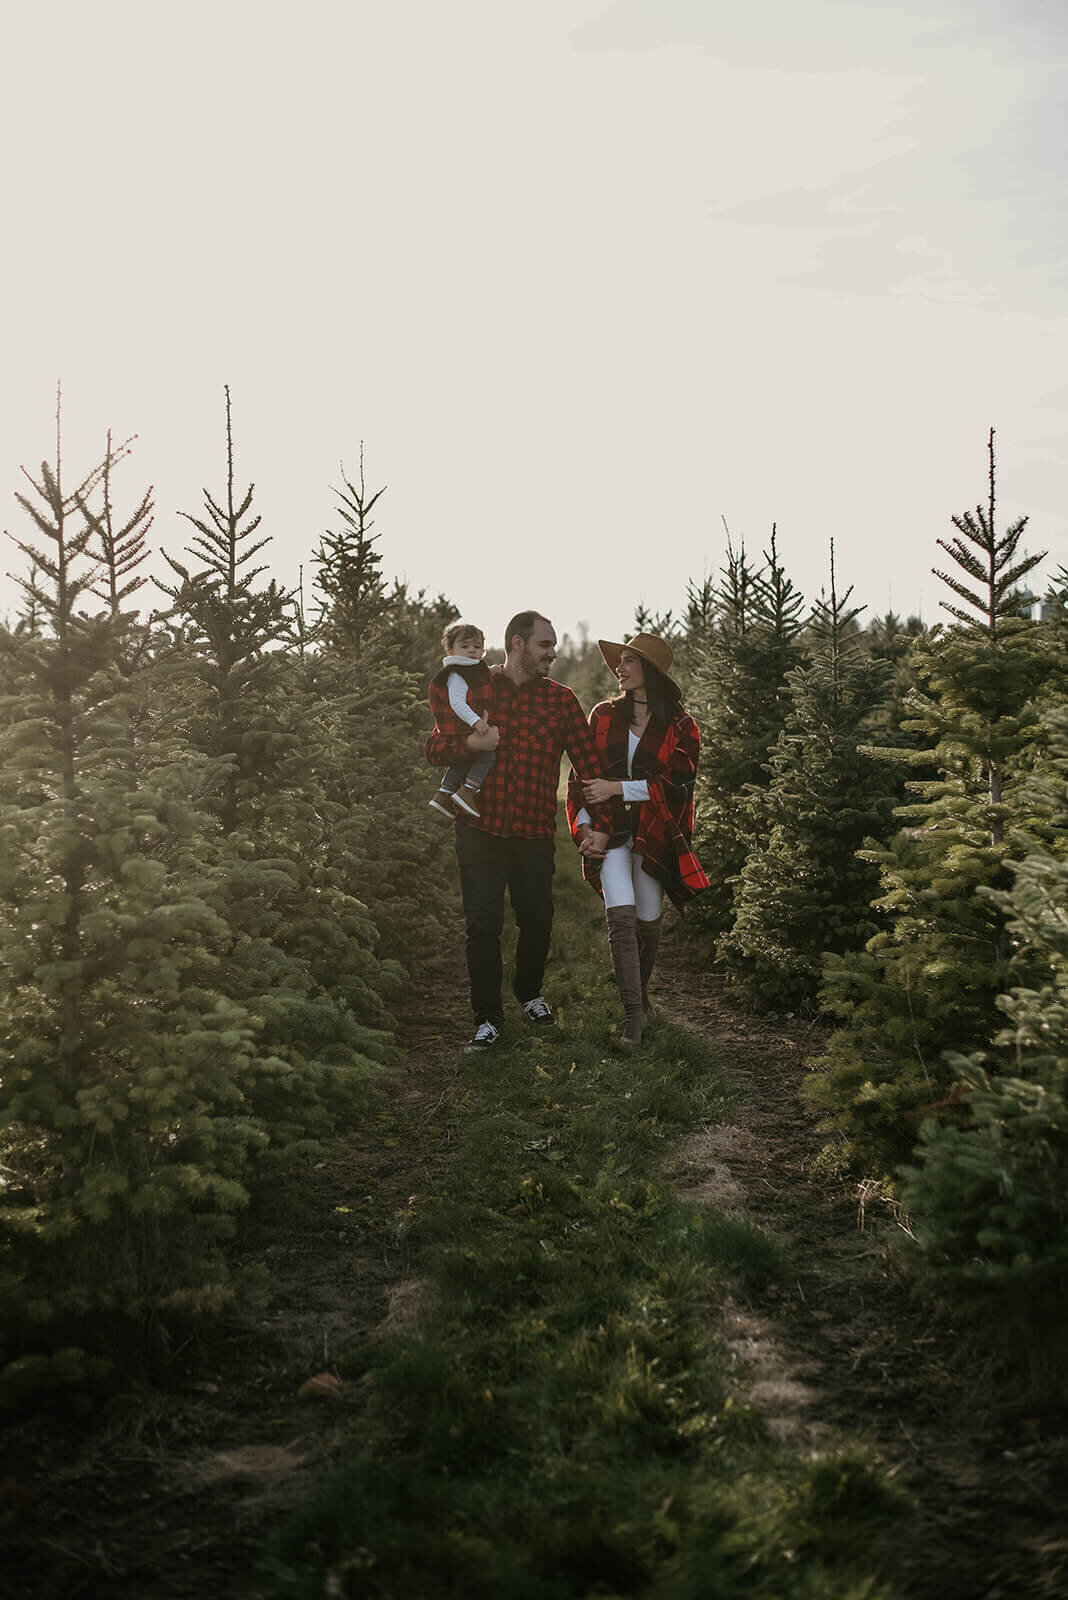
<point x="484" y="741"/>
<point x="596" y="791"/>
<point x="592" y="843"/>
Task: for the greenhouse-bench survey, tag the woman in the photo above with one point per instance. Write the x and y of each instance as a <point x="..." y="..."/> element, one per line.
<point x="648" y="746"/>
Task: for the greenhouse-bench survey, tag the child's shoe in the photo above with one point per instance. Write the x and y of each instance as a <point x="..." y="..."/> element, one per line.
<point x="466" y="797"/>
<point x="441" y="803"/>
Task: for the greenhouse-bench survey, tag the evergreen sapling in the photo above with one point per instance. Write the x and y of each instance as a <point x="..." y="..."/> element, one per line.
<point x="927" y="979"/>
<point x="803" y="890"/>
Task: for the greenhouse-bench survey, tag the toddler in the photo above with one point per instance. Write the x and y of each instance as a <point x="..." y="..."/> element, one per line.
<point x="463" y="673"/>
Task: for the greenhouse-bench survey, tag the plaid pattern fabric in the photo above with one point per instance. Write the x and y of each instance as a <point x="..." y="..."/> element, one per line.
<point x="539" y="722"/>
<point x="479" y="681"/>
<point x="662" y="826"/>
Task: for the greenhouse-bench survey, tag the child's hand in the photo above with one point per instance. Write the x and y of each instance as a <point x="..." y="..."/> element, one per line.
<point x="481" y="726"/>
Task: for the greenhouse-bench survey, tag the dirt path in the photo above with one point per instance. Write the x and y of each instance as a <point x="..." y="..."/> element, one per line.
<point x="847" y="1352"/>
<point x="169" y="1495"/>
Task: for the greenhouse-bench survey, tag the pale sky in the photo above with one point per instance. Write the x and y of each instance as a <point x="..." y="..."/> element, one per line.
<point x="588" y="278"/>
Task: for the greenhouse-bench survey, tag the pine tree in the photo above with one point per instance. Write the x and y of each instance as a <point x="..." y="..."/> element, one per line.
<point x="803" y="890"/>
<point x="928" y="978"/>
<point x="699" y="620"/>
<point x="580" y="665"/>
<point x="989" y="1194"/>
<point x="373" y="637"/>
<point x="302" y="955"/>
<point x="662" y="623"/>
<point x="189" y="982"/>
<point x="983" y="677"/>
<point x="232" y="627"/>
<point x="738" y="696"/>
<point x="1053" y="639"/>
<point x="125" y="1134"/>
<point x="119" y="550"/>
<point x="889" y="639"/>
<point x="350" y="579"/>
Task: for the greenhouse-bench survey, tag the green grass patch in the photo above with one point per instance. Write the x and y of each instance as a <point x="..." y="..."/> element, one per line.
<point x="563" y="1424"/>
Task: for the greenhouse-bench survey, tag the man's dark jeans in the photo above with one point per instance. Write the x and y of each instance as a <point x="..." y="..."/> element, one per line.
<point x="489" y="865"/>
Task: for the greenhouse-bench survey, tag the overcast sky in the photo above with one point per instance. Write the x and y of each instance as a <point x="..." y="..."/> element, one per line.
<point x="588" y="278"/>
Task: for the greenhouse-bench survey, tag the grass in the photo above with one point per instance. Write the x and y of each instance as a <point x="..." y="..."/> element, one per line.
<point x="564" y="1423"/>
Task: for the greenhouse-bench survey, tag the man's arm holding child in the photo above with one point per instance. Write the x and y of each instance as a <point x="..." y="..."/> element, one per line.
<point x="455" y="747"/>
<point x="461" y="706"/>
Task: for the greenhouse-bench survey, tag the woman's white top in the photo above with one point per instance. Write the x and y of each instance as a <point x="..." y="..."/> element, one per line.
<point x="634" y="789"/>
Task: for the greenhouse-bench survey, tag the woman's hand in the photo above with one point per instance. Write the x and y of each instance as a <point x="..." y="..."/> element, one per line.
<point x="596" y="791"/>
<point x="593" y="844"/>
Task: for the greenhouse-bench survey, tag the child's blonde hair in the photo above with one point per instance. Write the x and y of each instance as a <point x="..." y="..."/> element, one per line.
<point x="456" y="630"/>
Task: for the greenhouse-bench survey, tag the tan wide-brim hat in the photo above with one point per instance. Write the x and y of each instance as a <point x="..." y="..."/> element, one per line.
<point x="656" y="651"/>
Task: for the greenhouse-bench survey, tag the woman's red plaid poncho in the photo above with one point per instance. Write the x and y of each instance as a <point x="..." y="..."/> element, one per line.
<point x="662" y="825"/>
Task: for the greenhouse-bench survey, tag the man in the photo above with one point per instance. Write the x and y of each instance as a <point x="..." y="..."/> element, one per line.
<point x="510" y="845"/>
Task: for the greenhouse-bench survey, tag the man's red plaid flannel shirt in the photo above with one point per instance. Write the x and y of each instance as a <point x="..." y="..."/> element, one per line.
<point x="538" y="722"/>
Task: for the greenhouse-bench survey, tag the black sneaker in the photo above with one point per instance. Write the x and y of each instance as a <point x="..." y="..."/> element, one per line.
<point x="485" y="1037"/>
<point x="537" y="1010"/>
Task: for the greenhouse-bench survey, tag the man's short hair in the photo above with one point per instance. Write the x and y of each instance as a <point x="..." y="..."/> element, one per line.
<point x="523" y="625"/>
<point x="456" y="630"/>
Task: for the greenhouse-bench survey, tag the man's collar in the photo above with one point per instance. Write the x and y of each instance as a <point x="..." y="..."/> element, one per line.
<point x="527" y="683"/>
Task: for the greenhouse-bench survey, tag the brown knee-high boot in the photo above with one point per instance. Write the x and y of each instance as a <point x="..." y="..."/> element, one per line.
<point x="648" y="944"/>
<point x="623" y="943"/>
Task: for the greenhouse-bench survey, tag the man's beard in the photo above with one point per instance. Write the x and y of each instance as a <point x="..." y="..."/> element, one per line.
<point x="532" y="666"/>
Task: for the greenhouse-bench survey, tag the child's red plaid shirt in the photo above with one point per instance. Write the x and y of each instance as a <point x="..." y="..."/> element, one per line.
<point x="538" y="722"/>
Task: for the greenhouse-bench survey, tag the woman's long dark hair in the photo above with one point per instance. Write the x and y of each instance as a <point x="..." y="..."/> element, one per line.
<point x="664" y="697"/>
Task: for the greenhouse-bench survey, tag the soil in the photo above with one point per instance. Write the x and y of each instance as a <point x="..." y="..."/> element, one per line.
<point x="849" y="1352"/>
<point x="167" y="1494"/>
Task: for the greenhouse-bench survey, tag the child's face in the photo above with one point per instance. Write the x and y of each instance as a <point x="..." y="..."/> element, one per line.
<point x="469" y="644"/>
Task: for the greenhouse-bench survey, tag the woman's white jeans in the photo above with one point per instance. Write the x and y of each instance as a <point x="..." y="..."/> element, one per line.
<point x="626" y="883"/>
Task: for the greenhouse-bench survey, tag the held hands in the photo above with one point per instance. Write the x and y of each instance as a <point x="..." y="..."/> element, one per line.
<point x="481" y="726"/>
<point x="591" y="843"/>
<point x="488" y="740"/>
<point x="596" y="791"/>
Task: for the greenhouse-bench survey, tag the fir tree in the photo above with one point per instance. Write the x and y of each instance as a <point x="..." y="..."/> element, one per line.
<point x="125" y="1132"/>
<point x="803" y="890"/>
<point x="738" y="696"/>
<point x="979" y="671"/>
<point x="699" y="621"/>
<point x="302" y="955"/>
<point x="372" y="638"/>
<point x="190" y="981"/>
<point x="890" y="639"/>
<point x="928" y="978"/>
<point x="33" y="602"/>
<point x="119" y="550"/>
<point x="350" y="580"/>
<point x="989" y="1195"/>
<point x="580" y="665"/>
<point x="232" y="627"/>
<point x="1053" y="639"/>
<point x="662" y="623"/>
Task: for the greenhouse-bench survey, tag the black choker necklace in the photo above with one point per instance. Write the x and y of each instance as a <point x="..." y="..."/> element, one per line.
<point x="635" y="702"/>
